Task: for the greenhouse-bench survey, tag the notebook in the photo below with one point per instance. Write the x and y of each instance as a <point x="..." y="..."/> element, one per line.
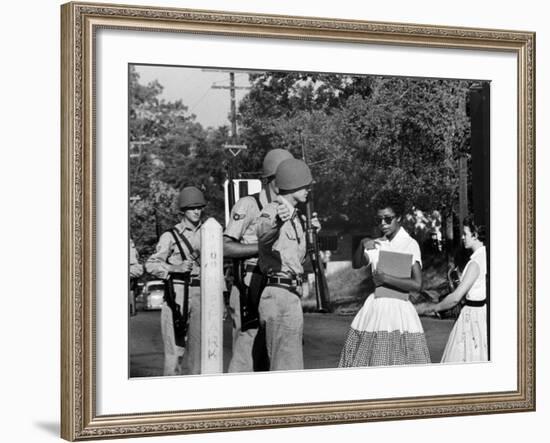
<point x="395" y="264"/>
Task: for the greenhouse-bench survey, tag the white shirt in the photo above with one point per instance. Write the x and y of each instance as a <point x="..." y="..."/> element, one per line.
<point x="479" y="288"/>
<point x="402" y="242"/>
<point x="243" y="221"/>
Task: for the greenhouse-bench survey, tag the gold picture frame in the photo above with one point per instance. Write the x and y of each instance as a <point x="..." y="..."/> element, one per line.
<point x="80" y="21"/>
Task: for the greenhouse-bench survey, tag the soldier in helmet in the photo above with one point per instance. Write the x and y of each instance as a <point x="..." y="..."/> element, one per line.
<point x="282" y="250"/>
<point x="241" y="242"/>
<point x="178" y="252"/>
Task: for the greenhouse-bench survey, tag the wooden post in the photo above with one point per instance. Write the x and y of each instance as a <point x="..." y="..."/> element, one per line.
<point x="211" y="298"/>
<point x="462" y="191"/>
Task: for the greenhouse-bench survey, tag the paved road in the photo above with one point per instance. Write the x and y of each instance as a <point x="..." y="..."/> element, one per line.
<point x="324" y="335"/>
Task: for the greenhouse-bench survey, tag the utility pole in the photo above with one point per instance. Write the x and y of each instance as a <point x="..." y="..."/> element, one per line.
<point x="233" y="106"/>
<point x="234" y="147"/>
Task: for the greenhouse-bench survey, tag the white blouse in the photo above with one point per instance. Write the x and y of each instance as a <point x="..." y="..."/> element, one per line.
<point x="479" y="288"/>
<point x="402" y="242"/>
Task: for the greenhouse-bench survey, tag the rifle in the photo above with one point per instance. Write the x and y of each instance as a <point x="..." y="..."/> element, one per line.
<point x="322" y="294"/>
<point x="321" y="287"/>
<point x="180" y="318"/>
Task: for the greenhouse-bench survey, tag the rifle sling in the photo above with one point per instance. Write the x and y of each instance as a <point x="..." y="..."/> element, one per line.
<point x="249" y="296"/>
<point x="174" y="306"/>
<point x="258" y="202"/>
<point x="178" y="244"/>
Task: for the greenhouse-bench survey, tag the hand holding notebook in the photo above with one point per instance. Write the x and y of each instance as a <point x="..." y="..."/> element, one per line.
<point x="397" y="265"/>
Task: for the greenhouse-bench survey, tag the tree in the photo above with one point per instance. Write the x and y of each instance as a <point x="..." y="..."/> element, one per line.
<point x="362" y="135"/>
<point x="168" y="150"/>
<point x="278" y="102"/>
<point x="151" y="215"/>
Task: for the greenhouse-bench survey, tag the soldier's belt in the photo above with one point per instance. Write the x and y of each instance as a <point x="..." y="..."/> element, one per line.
<point x="289" y="284"/>
<point x="282" y="281"/>
<point x="192" y="281"/>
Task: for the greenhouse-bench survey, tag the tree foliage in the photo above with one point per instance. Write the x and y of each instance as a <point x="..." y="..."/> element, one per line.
<point x="362" y="135"/>
<point x="168" y="150"/>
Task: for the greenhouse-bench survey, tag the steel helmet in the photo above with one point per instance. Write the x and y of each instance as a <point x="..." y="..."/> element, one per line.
<point x="190" y="197"/>
<point x="293" y="175"/>
<point x="273" y="159"/>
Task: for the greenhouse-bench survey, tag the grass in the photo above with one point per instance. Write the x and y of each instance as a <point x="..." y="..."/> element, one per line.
<point x="348" y="289"/>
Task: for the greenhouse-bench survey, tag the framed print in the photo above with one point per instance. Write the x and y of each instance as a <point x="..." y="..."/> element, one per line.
<point x="316" y="221"/>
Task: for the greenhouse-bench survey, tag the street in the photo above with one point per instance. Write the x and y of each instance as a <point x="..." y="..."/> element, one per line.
<point x="324" y="335"/>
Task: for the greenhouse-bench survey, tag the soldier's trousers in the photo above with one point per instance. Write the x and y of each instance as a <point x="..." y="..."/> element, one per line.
<point x="243" y="341"/>
<point x="179" y="360"/>
<point x="281" y="315"/>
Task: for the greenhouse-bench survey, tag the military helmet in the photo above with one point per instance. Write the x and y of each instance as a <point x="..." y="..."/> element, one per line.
<point x="273" y="159"/>
<point x="293" y="175"/>
<point x="190" y="197"/>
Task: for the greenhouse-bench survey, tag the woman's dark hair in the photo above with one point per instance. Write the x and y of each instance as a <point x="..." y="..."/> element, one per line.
<point x="478" y="230"/>
<point x="389" y="199"/>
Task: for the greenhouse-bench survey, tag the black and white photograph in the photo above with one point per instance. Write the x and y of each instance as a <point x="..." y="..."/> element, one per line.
<point x="277" y="219"/>
<point x="353" y="212"/>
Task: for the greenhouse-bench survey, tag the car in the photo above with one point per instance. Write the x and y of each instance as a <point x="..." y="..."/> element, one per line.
<point x="153" y="295"/>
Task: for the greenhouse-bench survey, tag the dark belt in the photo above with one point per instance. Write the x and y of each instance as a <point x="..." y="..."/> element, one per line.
<point x="289" y="284"/>
<point x="192" y="282"/>
<point x="475" y="303"/>
<point x="282" y="281"/>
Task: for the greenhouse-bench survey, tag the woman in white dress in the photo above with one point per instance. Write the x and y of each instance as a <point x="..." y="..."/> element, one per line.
<point x="468" y="339"/>
<point x="387" y="331"/>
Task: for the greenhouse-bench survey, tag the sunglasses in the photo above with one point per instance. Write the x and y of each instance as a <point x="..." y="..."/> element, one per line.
<point x="386" y="219"/>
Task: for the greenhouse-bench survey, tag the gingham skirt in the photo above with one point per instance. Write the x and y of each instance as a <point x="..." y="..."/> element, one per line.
<point x="385" y="332"/>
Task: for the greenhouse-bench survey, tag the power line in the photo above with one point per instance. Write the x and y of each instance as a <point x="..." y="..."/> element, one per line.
<point x="233" y="102"/>
<point x="192" y="107"/>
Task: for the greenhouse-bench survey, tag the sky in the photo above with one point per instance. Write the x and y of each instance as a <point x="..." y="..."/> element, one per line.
<point x="194" y="87"/>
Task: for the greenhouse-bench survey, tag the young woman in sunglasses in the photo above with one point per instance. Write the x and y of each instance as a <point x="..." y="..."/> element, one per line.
<point x="387" y="330"/>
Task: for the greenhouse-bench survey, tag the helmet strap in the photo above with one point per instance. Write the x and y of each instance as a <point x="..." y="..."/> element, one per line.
<point x="268" y="193"/>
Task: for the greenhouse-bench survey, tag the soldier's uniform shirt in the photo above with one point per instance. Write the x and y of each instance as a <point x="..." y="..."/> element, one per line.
<point x="242" y="223"/>
<point x="166" y="257"/>
<point x="241" y="228"/>
<point x="282" y="246"/>
<point x="167" y="254"/>
<point x="282" y="249"/>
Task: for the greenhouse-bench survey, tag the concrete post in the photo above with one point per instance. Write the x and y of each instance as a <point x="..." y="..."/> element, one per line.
<point x="212" y="285"/>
